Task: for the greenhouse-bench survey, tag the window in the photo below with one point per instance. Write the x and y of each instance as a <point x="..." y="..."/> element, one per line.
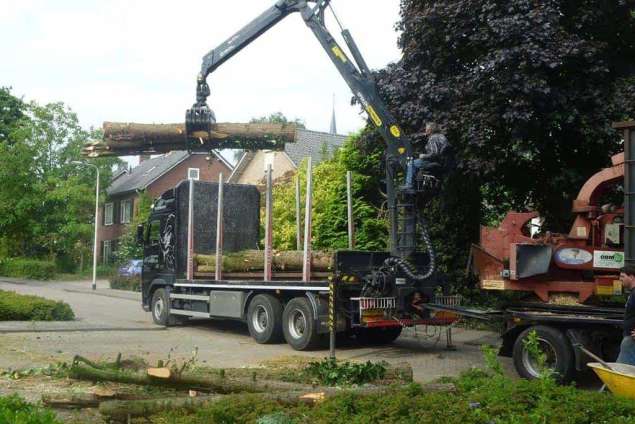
<point x="108" y="213"/>
<point x="107" y="252"/>
<point x="126" y="211"/>
<point x="193" y="174"/>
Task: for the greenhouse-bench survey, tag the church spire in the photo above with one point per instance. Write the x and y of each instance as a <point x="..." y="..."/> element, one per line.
<point x="333" y="129"/>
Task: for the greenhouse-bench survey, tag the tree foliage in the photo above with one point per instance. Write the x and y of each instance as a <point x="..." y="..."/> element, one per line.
<point x="329" y="228"/>
<point x="526" y="92"/>
<point x="46" y="202"/>
<point x="128" y="248"/>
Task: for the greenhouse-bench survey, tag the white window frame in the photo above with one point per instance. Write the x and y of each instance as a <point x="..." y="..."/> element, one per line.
<point x="198" y="174"/>
<point x="109" y="213"/>
<point x="125" y="214"/>
<point x="106" y="253"/>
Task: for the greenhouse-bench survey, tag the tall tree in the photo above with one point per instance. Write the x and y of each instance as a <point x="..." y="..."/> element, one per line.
<point x="526" y="92"/>
<point x="46" y="202"/>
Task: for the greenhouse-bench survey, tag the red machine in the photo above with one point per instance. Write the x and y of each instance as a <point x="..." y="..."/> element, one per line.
<point x="585" y="262"/>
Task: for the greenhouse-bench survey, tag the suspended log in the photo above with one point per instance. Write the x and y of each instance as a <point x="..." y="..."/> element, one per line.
<point x="122" y="139"/>
<point x="253" y="260"/>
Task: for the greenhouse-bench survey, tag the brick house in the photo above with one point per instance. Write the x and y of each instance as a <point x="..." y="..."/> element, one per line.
<point x="250" y="168"/>
<point x="154" y="176"/>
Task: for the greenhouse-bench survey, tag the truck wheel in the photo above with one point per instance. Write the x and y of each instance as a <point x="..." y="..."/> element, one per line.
<point x="160" y="308"/>
<point x="264" y="319"/>
<point x="298" y="325"/>
<point x="378" y="336"/>
<point x="554" y="344"/>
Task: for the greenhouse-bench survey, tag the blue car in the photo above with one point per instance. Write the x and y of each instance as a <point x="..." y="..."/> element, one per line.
<point x="131" y="269"/>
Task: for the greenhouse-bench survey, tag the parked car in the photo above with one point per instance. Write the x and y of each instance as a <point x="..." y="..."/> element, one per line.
<point x="131" y="269"/>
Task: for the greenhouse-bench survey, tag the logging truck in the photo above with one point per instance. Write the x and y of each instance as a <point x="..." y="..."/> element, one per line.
<point x="202" y="260"/>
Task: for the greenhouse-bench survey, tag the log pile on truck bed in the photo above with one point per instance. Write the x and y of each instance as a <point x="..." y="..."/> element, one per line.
<point x="254" y="260"/>
<point x="123" y="139"/>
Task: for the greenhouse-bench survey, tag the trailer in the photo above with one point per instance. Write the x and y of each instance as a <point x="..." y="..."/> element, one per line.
<point x="559" y="328"/>
<point x="354" y="293"/>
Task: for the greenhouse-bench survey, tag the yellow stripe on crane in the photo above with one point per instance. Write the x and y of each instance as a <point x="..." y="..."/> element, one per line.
<point x="373" y="115"/>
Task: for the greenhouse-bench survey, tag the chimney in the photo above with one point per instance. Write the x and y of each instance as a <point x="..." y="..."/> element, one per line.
<point x="143" y="157"/>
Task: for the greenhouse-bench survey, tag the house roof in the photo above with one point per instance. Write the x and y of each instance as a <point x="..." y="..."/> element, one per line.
<point x="307" y="143"/>
<point x="148" y="171"/>
<point x="312" y="143"/>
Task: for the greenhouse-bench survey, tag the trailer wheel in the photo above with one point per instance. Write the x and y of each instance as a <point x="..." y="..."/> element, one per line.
<point x="160" y="308"/>
<point x="378" y="336"/>
<point x="298" y="325"/>
<point x="554" y="344"/>
<point x="264" y="319"/>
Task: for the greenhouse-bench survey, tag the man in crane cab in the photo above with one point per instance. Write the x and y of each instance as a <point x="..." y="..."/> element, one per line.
<point x="627" y="347"/>
<point x="432" y="162"/>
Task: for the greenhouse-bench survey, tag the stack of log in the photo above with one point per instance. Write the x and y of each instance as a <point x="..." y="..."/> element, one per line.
<point x="254" y="261"/>
<point x="203" y="389"/>
<point x="124" y="139"/>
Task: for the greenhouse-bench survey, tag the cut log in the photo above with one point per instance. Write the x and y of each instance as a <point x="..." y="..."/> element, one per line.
<point x="253" y="260"/>
<point x="159" y="372"/>
<point x="121" y="410"/>
<point x="70" y="401"/>
<point x="185" y="381"/>
<point x="122" y="139"/>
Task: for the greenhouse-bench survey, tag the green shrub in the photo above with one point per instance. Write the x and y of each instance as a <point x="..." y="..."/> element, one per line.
<point x="19" y="307"/>
<point x="125" y="283"/>
<point x="14" y="410"/>
<point x="35" y="269"/>
<point x="332" y="373"/>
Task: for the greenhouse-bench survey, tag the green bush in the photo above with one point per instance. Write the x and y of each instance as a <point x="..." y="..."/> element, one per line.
<point x="332" y="373"/>
<point x="35" y="269"/>
<point x="125" y="283"/>
<point x="19" y="307"/>
<point x="14" y="410"/>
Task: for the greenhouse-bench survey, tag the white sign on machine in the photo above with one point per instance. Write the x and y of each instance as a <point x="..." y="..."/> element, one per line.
<point x="608" y="259"/>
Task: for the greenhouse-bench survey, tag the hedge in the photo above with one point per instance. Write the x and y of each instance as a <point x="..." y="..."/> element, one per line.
<point x="19" y="307"/>
<point x="125" y="283"/>
<point x="35" y="269"/>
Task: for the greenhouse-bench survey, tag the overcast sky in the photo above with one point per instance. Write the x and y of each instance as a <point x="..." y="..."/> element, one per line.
<point x="138" y="60"/>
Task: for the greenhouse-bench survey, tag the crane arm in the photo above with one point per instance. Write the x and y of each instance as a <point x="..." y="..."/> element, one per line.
<point x="402" y="196"/>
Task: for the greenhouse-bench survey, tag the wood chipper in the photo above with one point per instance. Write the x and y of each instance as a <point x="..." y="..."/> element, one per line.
<point x="583" y="263"/>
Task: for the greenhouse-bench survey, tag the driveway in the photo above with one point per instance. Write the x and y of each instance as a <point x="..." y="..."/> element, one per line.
<point x="112" y="321"/>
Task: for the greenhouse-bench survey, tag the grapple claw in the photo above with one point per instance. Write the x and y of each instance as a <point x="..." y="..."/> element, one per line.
<point x="199" y="118"/>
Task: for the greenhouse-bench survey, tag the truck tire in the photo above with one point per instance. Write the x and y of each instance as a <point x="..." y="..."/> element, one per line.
<point x="298" y="325"/>
<point x="378" y="336"/>
<point x="264" y="319"/>
<point x="160" y="309"/>
<point x="554" y="344"/>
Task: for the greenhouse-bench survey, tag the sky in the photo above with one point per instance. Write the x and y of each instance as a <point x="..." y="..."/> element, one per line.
<point x="137" y="61"/>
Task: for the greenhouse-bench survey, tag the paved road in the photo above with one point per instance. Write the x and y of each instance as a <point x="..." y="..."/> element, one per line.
<point x="112" y="321"/>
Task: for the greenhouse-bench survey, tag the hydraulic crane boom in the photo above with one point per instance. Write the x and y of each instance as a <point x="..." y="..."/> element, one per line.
<point x="402" y="198"/>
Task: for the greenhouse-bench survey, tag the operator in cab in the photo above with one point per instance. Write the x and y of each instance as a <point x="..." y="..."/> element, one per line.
<point x="627" y="347"/>
<point x="433" y="161"/>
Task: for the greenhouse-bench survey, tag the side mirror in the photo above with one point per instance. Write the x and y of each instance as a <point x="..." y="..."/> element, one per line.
<point x="140" y="234"/>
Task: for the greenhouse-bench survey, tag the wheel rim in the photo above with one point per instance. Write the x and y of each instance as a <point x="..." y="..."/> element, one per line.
<point x="260" y="319"/>
<point x="531" y="364"/>
<point x="158" y="308"/>
<point x="297" y="324"/>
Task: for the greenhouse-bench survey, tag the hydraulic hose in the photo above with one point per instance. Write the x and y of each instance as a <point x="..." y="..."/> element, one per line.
<point x="409" y="269"/>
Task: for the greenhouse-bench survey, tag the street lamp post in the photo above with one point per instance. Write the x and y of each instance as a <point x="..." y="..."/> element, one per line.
<point x="96" y="218"/>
